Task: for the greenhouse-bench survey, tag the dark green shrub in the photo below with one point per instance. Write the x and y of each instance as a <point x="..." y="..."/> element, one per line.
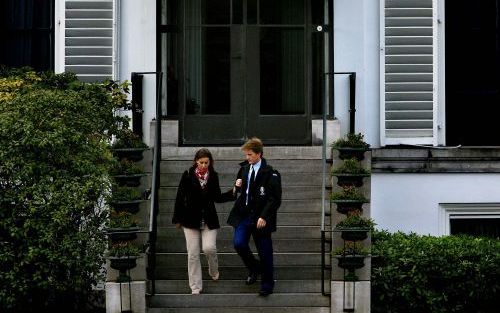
<point x="122" y="220"/>
<point x="123" y="249"/>
<point x="435" y="274"/>
<point x="349" y="193"/>
<point x="123" y="193"/>
<point x="53" y="174"/>
<point x="350" y="166"/>
<point x="351" y="141"/>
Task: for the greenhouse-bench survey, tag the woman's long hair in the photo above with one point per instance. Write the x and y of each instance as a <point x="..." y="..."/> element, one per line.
<point x="204" y="153"/>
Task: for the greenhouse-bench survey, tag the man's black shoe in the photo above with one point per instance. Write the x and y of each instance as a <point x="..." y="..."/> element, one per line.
<point x="265" y="293"/>
<point x="252" y="278"/>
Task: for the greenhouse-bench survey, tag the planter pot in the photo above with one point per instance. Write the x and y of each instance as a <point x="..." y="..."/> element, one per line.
<point x="132" y="154"/>
<point x="351" y="263"/>
<point x="349" y="153"/>
<point x="350" y="179"/>
<point x="122" y="234"/>
<point x="353" y="233"/>
<point x="133" y="180"/>
<point x="123" y="264"/>
<point x="345" y="206"/>
<point x="131" y="206"/>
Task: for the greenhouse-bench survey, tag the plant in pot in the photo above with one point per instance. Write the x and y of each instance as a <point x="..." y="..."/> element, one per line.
<point x="351" y="146"/>
<point x="124" y="198"/>
<point x="351" y="257"/>
<point x="122" y="226"/>
<point x="348" y="199"/>
<point x="128" y="145"/>
<point x="127" y="173"/>
<point x="350" y="173"/>
<point x="355" y="227"/>
<point x="123" y="256"/>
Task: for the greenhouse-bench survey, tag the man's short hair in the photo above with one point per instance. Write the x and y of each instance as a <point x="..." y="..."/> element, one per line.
<point x="254" y="144"/>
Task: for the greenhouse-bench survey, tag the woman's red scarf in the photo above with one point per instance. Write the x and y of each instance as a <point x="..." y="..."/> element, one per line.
<point x="202" y="175"/>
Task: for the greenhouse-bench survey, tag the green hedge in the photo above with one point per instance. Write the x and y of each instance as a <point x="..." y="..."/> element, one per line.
<point x="412" y="273"/>
<point x="54" y="161"/>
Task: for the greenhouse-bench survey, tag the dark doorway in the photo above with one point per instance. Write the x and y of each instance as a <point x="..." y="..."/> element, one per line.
<point x="27" y="32"/>
<point x="472" y="72"/>
<point x="246" y="69"/>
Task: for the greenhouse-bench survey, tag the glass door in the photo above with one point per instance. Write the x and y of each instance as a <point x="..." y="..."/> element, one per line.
<point x="247" y="71"/>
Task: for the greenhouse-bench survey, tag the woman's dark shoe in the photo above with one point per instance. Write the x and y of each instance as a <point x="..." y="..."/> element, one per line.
<point x="265" y="292"/>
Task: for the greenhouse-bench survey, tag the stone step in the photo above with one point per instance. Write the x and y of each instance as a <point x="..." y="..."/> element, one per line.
<point x="240" y="272"/>
<point x="289" y="219"/>
<point x="176" y="245"/>
<point x="227" y="179"/>
<point x="235" y="153"/>
<point x="236" y="286"/>
<point x="283" y="232"/>
<point x="232" y="309"/>
<point x="239" y="300"/>
<point x="292" y="206"/>
<point x="289" y="192"/>
<point x="232" y="167"/>
<point x="232" y="259"/>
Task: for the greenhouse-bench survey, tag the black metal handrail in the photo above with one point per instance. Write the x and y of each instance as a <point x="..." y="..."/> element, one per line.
<point x="155" y="186"/>
<point x="352" y="117"/>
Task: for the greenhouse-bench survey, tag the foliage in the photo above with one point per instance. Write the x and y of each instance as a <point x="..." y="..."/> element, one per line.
<point x="122" y="249"/>
<point x="127" y="139"/>
<point x="125" y="167"/>
<point x="124" y="193"/>
<point x="351" y="248"/>
<point x="53" y="177"/>
<point x="435" y="274"/>
<point x="122" y="220"/>
<point x="350" y="166"/>
<point x="356" y="221"/>
<point x="351" y="141"/>
<point x="349" y="193"/>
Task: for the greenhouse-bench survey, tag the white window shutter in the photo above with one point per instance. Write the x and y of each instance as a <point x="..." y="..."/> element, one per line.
<point x="90" y="35"/>
<point x="408" y="61"/>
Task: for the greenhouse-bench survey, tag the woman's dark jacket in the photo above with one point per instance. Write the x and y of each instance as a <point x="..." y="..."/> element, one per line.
<point x="265" y="201"/>
<point x="192" y="203"/>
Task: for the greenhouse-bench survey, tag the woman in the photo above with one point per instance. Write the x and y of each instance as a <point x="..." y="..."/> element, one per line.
<point x="195" y="213"/>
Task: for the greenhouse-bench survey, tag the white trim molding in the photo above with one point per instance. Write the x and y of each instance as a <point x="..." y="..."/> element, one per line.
<point x="448" y="211"/>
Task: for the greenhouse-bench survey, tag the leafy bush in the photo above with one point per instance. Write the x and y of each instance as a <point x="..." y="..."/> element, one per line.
<point x="122" y="249"/>
<point x="122" y="220"/>
<point x="125" y="167"/>
<point x="127" y="139"/>
<point x="349" y="193"/>
<point x="123" y="193"/>
<point x="351" y="248"/>
<point x="53" y="174"/>
<point x="351" y="141"/>
<point x="435" y="274"/>
<point x="356" y="221"/>
<point x="350" y="166"/>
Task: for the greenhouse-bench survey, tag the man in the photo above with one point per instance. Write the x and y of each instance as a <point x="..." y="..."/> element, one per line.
<point x="254" y="214"/>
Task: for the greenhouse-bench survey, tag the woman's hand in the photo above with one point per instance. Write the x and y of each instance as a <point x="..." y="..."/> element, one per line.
<point x="178" y="225"/>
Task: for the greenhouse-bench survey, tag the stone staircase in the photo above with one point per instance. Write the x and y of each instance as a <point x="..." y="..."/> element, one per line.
<point x="296" y="243"/>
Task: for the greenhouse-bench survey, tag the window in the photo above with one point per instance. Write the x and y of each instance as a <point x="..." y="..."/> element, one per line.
<point x="27" y="29"/>
<point x="470" y="219"/>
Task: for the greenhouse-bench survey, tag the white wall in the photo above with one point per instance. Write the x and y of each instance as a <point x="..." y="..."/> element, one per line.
<point x="411" y="202"/>
<point x="137" y="51"/>
<point x="357" y="50"/>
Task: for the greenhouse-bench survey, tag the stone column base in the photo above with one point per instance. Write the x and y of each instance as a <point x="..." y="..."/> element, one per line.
<point x="361" y="302"/>
<point x="138" y="292"/>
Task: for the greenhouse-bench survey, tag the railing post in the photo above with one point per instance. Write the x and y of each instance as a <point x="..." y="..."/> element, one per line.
<point x="137" y="106"/>
<point x="352" y="102"/>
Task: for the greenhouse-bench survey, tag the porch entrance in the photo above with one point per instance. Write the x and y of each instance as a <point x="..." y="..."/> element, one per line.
<point x="245" y="69"/>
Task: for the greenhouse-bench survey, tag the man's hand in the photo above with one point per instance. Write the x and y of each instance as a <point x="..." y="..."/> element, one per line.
<point x="261" y="223"/>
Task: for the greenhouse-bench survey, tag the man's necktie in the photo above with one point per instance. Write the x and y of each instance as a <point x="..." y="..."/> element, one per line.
<point x="251" y="183"/>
